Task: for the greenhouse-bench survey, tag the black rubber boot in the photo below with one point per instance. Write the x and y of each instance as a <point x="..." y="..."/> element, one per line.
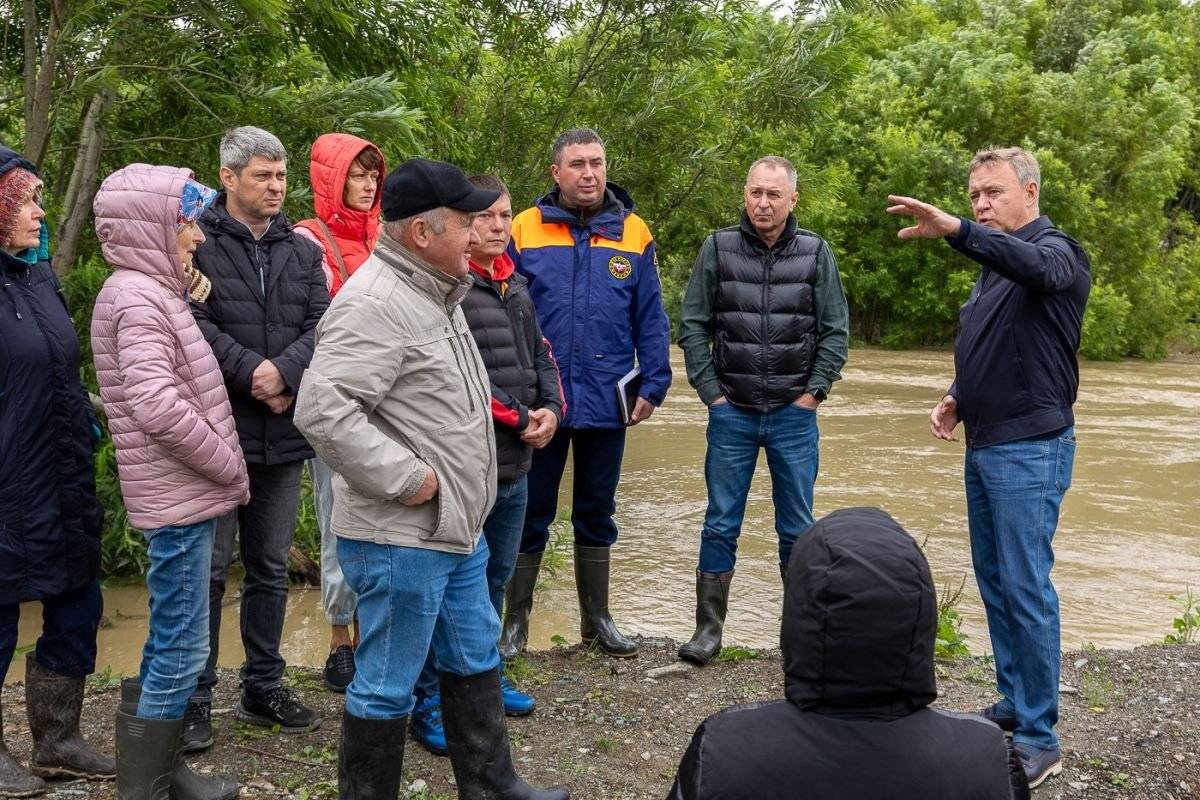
<point x="15" y="780"/>
<point x="371" y="758"/>
<point x="518" y="602"/>
<point x="712" y="602"/>
<point x="145" y="752"/>
<point x="53" y="704"/>
<point x="477" y="735"/>
<point x="595" y="623"/>
<point x="185" y="784"/>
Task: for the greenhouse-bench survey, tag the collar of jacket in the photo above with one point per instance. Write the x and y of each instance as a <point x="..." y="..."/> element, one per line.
<point x="217" y="219"/>
<point x="750" y="233"/>
<point x="424" y="277"/>
<point x="1026" y="232"/>
<point x="608" y="223"/>
<point x="502" y="269"/>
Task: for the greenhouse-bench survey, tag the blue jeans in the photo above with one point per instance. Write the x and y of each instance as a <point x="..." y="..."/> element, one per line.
<point x="67" y="645"/>
<point x="1014" y="493"/>
<point x="597" y="454"/>
<point x="177" y="643"/>
<point x="262" y="530"/>
<point x="409" y="597"/>
<point x="735" y="436"/>
<point x="502" y="530"/>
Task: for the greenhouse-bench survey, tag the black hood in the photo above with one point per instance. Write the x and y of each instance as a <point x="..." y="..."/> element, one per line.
<point x="859" y="618"/>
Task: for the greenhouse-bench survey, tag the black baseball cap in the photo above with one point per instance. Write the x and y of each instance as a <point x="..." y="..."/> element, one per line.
<point x="420" y="185"/>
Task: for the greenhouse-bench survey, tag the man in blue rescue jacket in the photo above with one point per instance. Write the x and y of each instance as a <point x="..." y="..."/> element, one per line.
<point x="1015" y="381"/>
<point x="593" y="276"/>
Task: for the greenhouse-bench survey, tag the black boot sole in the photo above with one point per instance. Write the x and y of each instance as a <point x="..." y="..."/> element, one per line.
<point x="65" y="773"/>
<point x="695" y="656"/>
<point x="597" y="646"/>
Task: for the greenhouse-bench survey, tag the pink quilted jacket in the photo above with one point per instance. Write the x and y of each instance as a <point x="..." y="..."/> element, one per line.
<point x="177" y="449"/>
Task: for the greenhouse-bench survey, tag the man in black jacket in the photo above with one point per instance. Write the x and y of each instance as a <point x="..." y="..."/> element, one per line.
<point x="859" y="623"/>
<point x="268" y="293"/>
<point x="1016" y="378"/>
<point x="527" y="406"/>
<point x="764" y="332"/>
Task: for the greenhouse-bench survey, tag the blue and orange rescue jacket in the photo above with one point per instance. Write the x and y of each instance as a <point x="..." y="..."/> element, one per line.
<point x="595" y="287"/>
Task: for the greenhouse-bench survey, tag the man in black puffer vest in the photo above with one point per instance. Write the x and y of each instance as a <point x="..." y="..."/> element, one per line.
<point x="268" y="293"/>
<point x="527" y="406"/>
<point x="859" y="622"/>
<point x="764" y="331"/>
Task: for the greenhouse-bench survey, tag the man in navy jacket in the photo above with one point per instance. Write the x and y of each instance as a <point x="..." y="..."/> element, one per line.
<point x="1016" y="378"/>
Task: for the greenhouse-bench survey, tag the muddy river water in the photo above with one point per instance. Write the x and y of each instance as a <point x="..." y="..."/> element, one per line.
<point x="1129" y="536"/>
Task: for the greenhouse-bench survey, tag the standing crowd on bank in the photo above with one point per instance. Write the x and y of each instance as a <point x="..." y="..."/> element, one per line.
<point x="435" y="359"/>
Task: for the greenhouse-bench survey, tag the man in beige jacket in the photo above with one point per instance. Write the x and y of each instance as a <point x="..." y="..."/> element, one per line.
<point x="396" y="401"/>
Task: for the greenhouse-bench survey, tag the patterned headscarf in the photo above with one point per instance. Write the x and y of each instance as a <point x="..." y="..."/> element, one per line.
<point x="196" y="198"/>
<point x="16" y="187"/>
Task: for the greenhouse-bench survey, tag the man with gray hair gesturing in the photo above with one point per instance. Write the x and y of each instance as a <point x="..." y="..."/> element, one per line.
<point x="268" y="293"/>
<point x="1015" y="382"/>
<point x="764" y="330"/>
<point x="397" y="402"/>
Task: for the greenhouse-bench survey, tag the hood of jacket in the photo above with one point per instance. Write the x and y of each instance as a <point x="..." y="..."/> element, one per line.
<point x="859" y="618"/>
<point x="137" y="210"/>
<point x="328" y="166"/>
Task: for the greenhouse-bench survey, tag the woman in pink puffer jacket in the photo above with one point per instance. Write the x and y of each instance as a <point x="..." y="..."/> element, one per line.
<point x="178" y="455"/>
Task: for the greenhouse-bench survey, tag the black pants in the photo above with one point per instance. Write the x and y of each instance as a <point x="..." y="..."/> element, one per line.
<point x="597" y="461"/>
<point x="264" y="528"/>
<point x="67" y="645"/>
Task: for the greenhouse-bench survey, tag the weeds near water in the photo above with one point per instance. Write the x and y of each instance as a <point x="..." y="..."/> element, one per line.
<point x="951" y="642"/>
<point x="556" y="556"/>
<point x="104" y="680"/>
<point x="731" y="655"/>
<point x="1096" y="687"/>
<point x="1187" y="626"/>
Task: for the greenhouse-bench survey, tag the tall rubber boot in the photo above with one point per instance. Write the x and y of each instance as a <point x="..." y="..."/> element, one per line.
<point x="477" y="736"/>
<point x="371" y="758"/>
<point x="185" y="784"/>
<point x="518" y="602"/>
<point x="712" y="603"/>
<point x="596" y="625"/>
<point x="145" y="752"/>
<point x="53" y="704"/>
<point x="15" y="780"/>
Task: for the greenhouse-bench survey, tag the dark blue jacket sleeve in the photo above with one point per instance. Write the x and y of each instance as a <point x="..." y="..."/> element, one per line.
<point x="652" y="330"/>
<point x="1048" y="265"/>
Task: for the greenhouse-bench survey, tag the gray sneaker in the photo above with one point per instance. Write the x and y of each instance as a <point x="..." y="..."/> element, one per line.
<point x="1038" y="764"/>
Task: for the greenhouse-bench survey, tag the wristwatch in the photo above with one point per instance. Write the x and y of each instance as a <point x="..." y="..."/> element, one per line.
<point x="819" y="394"/>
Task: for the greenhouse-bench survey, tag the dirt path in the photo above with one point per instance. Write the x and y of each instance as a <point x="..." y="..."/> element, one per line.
<point x="614" y="730"/>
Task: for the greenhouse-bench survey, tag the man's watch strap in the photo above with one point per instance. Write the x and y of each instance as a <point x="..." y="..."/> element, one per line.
<point x="819" y="394"/>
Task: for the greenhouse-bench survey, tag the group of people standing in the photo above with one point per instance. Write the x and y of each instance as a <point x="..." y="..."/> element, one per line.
<point x="435" y="359"/>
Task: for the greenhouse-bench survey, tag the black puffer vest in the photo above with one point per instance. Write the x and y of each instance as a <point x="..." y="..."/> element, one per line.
<point x="505" y="338"/>
<point x="765" y="320"/>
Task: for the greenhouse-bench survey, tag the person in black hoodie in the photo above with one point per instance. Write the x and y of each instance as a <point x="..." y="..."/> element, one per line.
<point x="859" y="622"/>
<point x="1015" y="381"/>
<point x="268" y="293"/>
<point x="50" y="518"/>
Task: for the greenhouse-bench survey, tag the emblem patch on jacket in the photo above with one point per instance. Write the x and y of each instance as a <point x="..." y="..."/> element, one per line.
<point x="620" y="267"/>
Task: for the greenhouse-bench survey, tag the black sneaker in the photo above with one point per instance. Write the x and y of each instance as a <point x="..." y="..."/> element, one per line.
<point x="339" y="668"/>
<point x="276" y="707"/>
<point x="197" y="727"/>
<point x="1000" y="714"/>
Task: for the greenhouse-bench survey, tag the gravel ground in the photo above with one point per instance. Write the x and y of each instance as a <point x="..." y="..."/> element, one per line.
<point x="615" y="730"/>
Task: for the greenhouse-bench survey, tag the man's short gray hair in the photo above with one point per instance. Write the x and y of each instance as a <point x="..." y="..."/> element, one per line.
<point x="239" y="145"/>
<point x="575" y="136"/>
<point x="776" y="162"/>
<point x="1022" y="160"/>
<point x="398" y="229"/>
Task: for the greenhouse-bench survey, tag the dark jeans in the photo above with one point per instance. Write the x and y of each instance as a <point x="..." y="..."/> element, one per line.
<point x="264" y="528"/>
<point x="67" y="645"/>
<point x="597" y="454"/>
<point x="502" y="530"/>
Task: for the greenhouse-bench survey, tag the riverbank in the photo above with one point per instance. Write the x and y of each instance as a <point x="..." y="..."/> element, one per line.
<point x="615" y="730"/>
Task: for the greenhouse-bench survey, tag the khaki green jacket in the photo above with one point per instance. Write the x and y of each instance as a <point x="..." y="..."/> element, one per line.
<point x="396" y="384"/>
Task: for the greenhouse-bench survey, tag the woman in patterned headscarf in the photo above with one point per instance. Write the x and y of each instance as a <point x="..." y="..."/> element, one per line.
<point x="178" y="455"/>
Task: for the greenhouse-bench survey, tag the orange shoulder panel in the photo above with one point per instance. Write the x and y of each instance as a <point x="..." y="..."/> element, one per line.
<point x="528" y="230"/>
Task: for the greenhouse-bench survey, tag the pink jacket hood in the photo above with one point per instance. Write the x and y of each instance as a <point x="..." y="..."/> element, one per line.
<point x="137" y="208"/>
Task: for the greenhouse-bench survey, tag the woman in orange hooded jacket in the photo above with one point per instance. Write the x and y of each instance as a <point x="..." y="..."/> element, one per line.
<point x="346" y="172"/>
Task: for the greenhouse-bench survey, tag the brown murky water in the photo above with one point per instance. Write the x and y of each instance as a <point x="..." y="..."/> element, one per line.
<point x="1129" y="537"/>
